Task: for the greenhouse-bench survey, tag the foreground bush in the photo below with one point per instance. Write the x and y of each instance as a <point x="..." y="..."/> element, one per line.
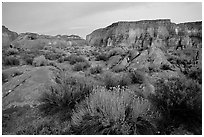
<point x="11" y="61"/>
<point x="80" y="66"/>
<point x="63" y="97"/>
<point x="44" y="126"/>
<point x="180" y="102"/>
<point x="114" y="112"/>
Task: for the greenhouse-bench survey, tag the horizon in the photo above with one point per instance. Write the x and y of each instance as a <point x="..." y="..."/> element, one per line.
<point x="91" y="16"/>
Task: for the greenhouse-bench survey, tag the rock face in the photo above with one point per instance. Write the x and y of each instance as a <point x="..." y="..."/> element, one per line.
<point x="25" y="89"/>
<point x="8" y="36"/>
<point x="142" y="33"/>
<point x="151" y="41"/>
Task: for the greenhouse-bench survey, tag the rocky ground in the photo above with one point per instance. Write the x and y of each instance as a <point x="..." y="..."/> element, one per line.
<point x="144" y="57"/>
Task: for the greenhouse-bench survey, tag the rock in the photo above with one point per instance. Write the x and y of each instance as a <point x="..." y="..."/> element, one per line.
<point x="162" y="32"/>
<point x="113" y="61"/>
<point x="26" y="89"/>
<point x="133" y="54"/>
<point x="141" y="34"/>
<point x="140" y="62"/>
<point x="7" y="37"/>
<point x="121" y="66"/>
<point x="116" y="51"/>
<point x="158" y="56"/>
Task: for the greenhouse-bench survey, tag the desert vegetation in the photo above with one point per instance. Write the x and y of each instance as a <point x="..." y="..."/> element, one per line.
<point x="145" y="80"/>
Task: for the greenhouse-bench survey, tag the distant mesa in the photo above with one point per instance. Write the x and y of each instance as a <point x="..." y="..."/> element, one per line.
<point x="129" y="32"/>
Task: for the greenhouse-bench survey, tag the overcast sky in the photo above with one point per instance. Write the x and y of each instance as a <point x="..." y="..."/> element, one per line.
<point x="83" y="18"/>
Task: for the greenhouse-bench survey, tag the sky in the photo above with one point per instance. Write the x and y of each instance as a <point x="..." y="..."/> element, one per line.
<point x="66" y="18"/>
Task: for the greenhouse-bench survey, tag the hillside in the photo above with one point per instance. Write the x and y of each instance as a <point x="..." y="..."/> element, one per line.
<point x="141" y="77"/>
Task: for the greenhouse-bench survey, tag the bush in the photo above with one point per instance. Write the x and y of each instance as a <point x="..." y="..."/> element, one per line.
<point x="113" y="80"/>
<point x="29" y="61"/>
<point x="110" y="80"/>
<point x="40" y="61"/>
<point x="74" y="59"/>
<point x="60" y="60"/>
<point x="96" y="70"/>
<point x="80" y="66"/>
<point x="44" y="126"/>
<point x="180" y="102"/>
<point x="101" y="57"/>
<point x="114" y="112"/>
<point x="10" y="61"/>
<point x="11" y="51"/>
<point x="136" y="76"/>
<point x="63" y="97"/>
<point x="52" y="56"/>
<point x="196" y="74"/>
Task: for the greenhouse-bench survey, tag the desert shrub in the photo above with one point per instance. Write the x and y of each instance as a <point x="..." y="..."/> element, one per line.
<point x="110" y="80"/>
<point x="80" y="66"/>
<point x="60" y="60"/>
<point x="115" y="112"/>
<point x="44" y="126"/>
<point x="136" y="76"/>
<point x="39" y="61"/>
<point x="11" y="61"/>
<point x="118" y="69"/>
<point x="63" y="97"/>
<point x="195" y="74"/>
<point x="29" y="61"/>
<point x="52" y="56"/>
<point x="113" y="80"/>
<point x="102" y="56"/>
<point x="96" y="70"/>
<point x="52" y="63"/>
<point x="74" y="59"/>
<point x="180" y="102"/>
<point x="11" y="51"/>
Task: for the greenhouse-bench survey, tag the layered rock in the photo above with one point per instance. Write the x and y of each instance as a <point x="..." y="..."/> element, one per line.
<point x="8" y="36"/>
<point x="142" y="33"/>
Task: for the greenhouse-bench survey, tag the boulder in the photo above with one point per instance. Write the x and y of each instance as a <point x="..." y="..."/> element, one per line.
<point x="121" y="66"/>
<point x="113" y="61"/>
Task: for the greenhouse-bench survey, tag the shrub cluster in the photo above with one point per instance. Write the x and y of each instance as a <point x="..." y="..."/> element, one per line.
<point x="52" y="56"/>
<point x="96" y="70"/>
<point x="102" y="57"/>
<point x="80" y="66"/>
<point x="74" y="59"/>
<point x="64" y="96"/>
<point x="114" y="112"/>
<point x="123" y="79"/>
<point x="13" y="61"/>
<point x="44" y="126"/>
<point x="180" y="103"/>
<point x="40" y="61"/>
